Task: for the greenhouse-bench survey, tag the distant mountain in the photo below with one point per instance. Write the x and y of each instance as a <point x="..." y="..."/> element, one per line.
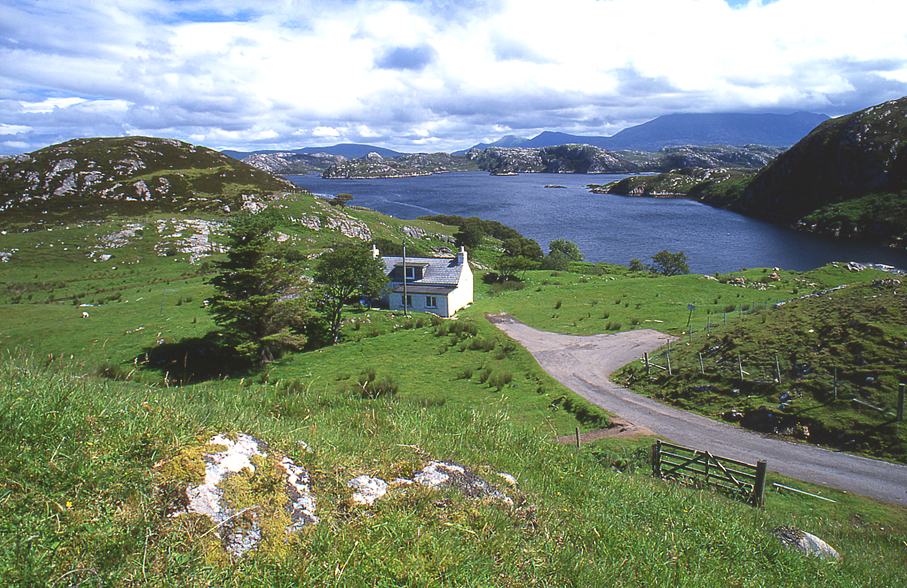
<point x="347" y="150"/>
<point x="776" y="130"/>
<point x="94" y="178"/>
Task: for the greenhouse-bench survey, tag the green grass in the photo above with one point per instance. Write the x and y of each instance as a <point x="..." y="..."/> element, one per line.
<point x="82" y="499"/>
<point x="83" y="475"/>
<point x="814" y="355"/>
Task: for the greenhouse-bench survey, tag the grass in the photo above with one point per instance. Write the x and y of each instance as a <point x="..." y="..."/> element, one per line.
<point x="819" y="364"/>
<point x="84" y="480"/>
<point x="83" y="501"/>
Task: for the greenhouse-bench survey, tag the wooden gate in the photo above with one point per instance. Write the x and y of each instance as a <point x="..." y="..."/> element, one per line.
<point x="734" y="477"/>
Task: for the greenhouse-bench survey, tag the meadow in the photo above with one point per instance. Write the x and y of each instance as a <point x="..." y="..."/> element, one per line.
<point x="94" y="409"/>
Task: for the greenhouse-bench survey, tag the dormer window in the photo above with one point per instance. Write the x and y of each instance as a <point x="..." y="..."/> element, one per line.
<point x="410" y="272"/>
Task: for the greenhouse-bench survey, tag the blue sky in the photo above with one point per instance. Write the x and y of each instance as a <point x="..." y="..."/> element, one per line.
<point x="433" y="75"/>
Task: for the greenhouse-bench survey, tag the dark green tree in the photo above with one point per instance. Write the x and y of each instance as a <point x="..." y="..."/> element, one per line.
<point x="470" y="236"/>
<point x="670" y="264"/>
<point x="556" y="261"/>
<point x="523" y="247"/>
<point x="568" y="249"/>
<point x="341" y="200"/>
<point x="260" y="303"/>
<point x="343" y="274"/>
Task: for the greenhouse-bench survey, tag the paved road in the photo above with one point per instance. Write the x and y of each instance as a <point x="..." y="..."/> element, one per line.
<point x="585" y="363"/>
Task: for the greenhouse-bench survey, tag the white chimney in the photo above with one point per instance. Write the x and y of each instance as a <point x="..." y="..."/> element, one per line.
<point x="461" y="256"/>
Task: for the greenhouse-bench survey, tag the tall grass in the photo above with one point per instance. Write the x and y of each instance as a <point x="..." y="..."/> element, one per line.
<point x="83" y="494"/>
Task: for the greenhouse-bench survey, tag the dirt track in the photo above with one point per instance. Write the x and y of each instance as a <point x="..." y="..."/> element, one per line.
<point x="585" y="363"/>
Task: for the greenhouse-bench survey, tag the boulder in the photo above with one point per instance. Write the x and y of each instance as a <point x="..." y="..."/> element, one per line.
<point x="805" y="542"/>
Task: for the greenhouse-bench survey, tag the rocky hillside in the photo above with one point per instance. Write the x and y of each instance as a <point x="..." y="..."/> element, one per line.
<point x="287" y="162"/>
<point x="568" y="158"/>
<point x="374" y="165"/>
<point x="87" y="178"/>
<point x="846" y="158"/>
<point x="587" y="159"/>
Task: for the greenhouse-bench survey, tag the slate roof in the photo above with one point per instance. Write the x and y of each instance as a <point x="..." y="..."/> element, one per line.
<point x="438" y="271"/>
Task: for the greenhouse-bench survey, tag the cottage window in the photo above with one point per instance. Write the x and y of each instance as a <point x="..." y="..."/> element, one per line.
<point x="431" y="302"/>
<point x="410" y="272"/>
<point x="409" y="300"/>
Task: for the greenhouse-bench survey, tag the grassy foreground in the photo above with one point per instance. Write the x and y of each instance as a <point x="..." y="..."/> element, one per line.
<point x="82" y="498"/>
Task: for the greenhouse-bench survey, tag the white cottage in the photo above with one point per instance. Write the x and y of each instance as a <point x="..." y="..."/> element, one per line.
<point x="439" y="285"/>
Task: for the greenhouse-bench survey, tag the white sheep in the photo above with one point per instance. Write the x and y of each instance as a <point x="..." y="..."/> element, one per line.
<point x="84" y="314"/>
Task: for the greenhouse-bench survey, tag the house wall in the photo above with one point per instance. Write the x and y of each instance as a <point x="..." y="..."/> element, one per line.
<point x="395" y="302"/>
<point x="463" y="294"/>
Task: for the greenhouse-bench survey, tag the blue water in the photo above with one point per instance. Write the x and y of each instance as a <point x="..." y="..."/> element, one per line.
<point x="613" y="229"/>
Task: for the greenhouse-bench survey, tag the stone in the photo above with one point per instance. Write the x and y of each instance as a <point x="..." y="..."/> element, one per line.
<point x="805" y="542"/>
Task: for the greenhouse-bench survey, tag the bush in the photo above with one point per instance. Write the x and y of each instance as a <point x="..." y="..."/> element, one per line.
<point x="498" y="380"/>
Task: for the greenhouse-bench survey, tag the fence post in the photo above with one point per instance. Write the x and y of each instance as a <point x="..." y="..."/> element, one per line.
<point x="577" y="437"/>
<point x="836" y="382"/>
<point x="701" y="367"/>
<point x="647" y="364"/>
<point x="656" y="459"/>
<point x="740" y="368"/>
<point x="897" y="430"/>
<point x="777" y="368"/>
<point x="759" y="485"/>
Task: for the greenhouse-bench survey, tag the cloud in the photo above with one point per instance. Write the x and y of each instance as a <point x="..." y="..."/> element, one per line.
<point x="407" y="58"/>
<point x="439" y="74"/>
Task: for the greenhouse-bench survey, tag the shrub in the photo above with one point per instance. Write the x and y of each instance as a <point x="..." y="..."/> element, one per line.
<point x="557" y="305"/>
<point x="500" y="379"/>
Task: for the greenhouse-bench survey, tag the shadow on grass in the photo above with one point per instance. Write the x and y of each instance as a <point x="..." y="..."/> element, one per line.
<point x="193" y="360"/>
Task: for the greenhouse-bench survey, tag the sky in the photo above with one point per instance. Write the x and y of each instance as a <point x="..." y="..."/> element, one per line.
<point x="431" y="75"/>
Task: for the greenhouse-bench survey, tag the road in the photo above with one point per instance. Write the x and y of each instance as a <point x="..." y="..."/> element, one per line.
<point x="584" y="364"/>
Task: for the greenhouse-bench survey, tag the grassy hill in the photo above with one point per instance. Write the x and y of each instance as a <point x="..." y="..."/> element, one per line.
<point x="89" y="178"/>
<point x="97" y="415"/>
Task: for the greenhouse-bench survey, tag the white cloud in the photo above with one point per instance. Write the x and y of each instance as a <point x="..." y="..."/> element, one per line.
<point x="436" y="73"/>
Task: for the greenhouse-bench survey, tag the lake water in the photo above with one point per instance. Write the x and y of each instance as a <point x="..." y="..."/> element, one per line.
<point x="607" y="228"/>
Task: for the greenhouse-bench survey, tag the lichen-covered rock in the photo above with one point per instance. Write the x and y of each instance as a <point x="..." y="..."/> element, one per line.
<point x="249" y="493"/>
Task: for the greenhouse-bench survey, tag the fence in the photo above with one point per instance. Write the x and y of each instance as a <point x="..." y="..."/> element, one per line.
<point x="735" y="477"/>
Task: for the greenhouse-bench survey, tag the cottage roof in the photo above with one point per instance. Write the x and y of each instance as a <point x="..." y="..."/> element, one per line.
<point x="436" y="270"/>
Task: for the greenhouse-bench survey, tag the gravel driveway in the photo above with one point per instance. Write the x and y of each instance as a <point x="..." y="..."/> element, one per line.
<point x="584" y="364"/>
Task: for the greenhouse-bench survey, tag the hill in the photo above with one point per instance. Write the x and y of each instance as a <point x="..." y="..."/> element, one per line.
<point x="846" y="178"/>
<point x="735" y="129"/>
<point x="849" y="174"/>
<point x="92" y="178"/>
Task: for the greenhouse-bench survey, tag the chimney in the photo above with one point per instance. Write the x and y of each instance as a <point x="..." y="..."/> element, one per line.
<point x="461" y="256"/>
<point x="375" y="252"/>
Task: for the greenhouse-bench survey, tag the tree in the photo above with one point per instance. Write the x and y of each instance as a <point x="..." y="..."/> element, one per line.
<point x="670" y="264"/>
<point x="556" y="261"/>
<point x="470" y="236"/>
<point x="522" y="247"/>
<point x="636" y="265"/>
<point x="341" y="200"/>
<point x="507" y="266"/>
<point x="568" y="249"/>
<point x="259" y="304"/>
<point x="345" y="273"/>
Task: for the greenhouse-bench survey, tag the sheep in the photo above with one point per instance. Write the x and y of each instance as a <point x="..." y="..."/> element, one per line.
<point x="84" y="314"/>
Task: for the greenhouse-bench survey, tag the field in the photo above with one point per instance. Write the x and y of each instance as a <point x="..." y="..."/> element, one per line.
<point x="98" y="412"/>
